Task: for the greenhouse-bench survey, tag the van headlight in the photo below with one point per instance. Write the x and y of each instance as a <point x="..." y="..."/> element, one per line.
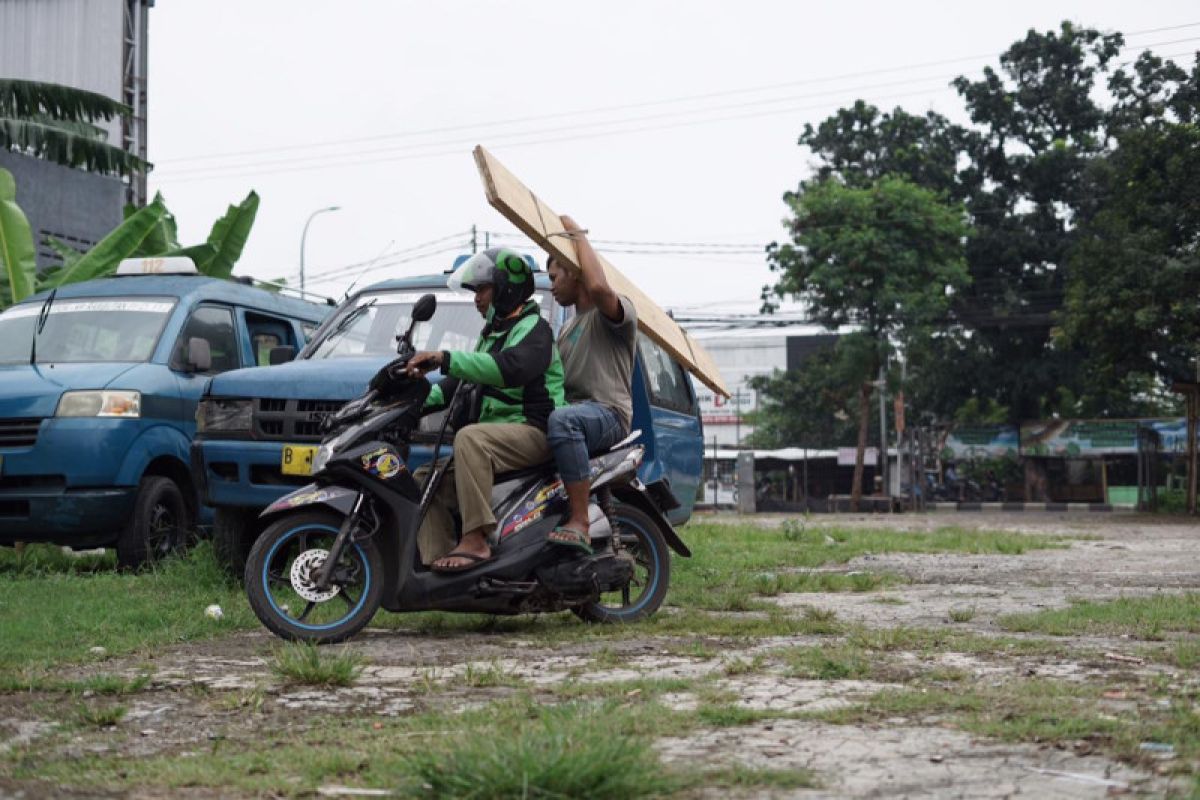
<point x="324" y="453"/>
<point x="224" y="415"/>
<point x="100" y="403"/>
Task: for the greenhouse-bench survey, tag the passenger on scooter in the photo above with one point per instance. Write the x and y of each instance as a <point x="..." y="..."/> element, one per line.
<point x="517" y="366"/>
<point x="597" y="349"/>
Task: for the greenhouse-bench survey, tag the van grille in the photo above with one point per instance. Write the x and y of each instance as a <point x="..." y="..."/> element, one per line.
<point x="19" y="432"/>
<point x="292" y="420"/>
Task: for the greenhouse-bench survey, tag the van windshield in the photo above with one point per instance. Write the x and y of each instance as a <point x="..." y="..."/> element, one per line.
<point x="370" y="326"/>
<point x="85" y="330"/>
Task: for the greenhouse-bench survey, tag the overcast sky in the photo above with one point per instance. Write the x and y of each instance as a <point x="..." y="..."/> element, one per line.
<point x="648" y="121"/>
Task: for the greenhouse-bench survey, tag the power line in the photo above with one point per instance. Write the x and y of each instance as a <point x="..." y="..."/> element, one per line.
<point x="340" y="272"/>
<point x="302" y="163"/>
<point x="388" y="259"/>
<point x="643" y="104"/>
<point x="355" y="159"/>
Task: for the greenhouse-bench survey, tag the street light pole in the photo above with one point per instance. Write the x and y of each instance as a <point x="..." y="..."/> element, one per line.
<point x="304" y="235"/>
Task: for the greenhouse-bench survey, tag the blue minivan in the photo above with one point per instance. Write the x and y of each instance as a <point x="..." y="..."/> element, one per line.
<point x="98" y="390"/>
<point x="258" y="428"/>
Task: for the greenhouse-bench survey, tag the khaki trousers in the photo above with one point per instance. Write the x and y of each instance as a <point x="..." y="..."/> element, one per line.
<point x="480" y="451"/>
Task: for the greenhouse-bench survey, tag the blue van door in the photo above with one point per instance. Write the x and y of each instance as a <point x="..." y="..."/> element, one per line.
<point x="678" y="438"/>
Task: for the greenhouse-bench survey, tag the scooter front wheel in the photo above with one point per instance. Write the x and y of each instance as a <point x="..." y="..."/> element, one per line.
<point x="281" y="580"/>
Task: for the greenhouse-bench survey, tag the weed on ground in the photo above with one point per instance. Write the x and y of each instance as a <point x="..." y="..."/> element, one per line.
<point x="50" y="617"/>
<point x="1138" y="617"/>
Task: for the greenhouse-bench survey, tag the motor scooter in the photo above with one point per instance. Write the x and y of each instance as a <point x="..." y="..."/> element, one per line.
<point x="338" y="549"/>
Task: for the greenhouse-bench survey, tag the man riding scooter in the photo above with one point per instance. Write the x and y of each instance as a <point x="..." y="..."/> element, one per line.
<point x="518" y="369"/>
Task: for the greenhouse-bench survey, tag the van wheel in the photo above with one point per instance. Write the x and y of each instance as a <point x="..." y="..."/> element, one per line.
<point x="232" y="537"/>
<point x="158" y="526"/>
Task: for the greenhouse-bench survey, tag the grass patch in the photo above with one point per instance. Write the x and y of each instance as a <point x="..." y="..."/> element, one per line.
<point x="99" y="716"/>
<point x="40" y="560"/>
<point x="962" y="614"/>
<point x="1042" y="711"/>
<point x="482" y="676"/>
<point x="510" y="748"/>
<point x="561" y="752"/>
<point x="1137" y="617"/>
<point x="102" y="684"/>
<point x="838" y="663"/>
<point x="732" y="563"/>
<point x="50" y="618"/>
<point x="730" y="716"/>
<point x="310" y="665"/>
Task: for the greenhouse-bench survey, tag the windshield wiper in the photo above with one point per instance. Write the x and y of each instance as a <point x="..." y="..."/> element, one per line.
<point x="353" y="315"/>
<point x="43" y="315"/>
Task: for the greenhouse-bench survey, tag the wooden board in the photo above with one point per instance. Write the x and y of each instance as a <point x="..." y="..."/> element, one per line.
<point x="535" y="219"/>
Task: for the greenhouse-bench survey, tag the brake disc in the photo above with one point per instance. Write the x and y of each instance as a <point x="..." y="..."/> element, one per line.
<point x="304" y="576"/>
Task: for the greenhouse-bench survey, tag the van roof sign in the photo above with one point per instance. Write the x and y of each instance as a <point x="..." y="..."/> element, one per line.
<point x="159" y="265"/>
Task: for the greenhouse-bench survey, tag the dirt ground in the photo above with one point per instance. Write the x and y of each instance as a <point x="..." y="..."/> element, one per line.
<point x="225" y="690"/>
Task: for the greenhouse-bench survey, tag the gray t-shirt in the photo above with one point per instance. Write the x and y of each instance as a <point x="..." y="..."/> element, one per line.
<point x="597" y="358"/>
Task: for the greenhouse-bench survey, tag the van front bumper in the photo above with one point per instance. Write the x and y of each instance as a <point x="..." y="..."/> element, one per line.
<point x="241" y="472"/>
<point x="76" y="517"/>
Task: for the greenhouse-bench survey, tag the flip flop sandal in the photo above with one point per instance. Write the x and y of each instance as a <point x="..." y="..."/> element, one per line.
<point x="473" y="561"/>
<point x="571" y="537"/>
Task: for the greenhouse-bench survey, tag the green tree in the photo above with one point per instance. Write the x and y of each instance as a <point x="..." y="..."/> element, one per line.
<point x="148" y="231"/>
<point x="813" y="405"/>
<point x="17" y="268"/>
<point x="885" y="259"/>
<point x="1037" y="126"/>
<point x="58" y="123"/>
<point x="1132" y="301"/>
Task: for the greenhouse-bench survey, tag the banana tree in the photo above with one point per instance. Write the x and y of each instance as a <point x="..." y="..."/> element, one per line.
<point x="17" y="260"/>
<point x="56" y="123"/>
<point x="148" y="231"/>
<point x="154" y="234"/>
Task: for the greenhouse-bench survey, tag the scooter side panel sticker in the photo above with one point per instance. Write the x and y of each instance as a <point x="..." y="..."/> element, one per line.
<point x="382" y="462"/>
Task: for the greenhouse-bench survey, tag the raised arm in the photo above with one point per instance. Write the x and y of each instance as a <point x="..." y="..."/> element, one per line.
<point x="594" y="282"/>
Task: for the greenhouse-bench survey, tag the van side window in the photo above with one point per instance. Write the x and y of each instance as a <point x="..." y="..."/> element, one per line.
<point x="216" y="325"/>
<point x="667" y="381"/>
<point x="266" y="333"/>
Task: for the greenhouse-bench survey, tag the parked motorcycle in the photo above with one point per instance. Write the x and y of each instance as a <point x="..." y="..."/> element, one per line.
<point x="345" y="545"/>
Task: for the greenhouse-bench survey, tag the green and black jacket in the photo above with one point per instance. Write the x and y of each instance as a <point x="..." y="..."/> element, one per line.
<point x="516" y="364"/>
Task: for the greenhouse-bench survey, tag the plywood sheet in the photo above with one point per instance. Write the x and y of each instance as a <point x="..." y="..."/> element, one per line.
<point x="508" y="195"/>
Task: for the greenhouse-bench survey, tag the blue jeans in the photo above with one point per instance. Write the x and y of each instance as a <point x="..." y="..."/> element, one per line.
<point x="579" y="429"/>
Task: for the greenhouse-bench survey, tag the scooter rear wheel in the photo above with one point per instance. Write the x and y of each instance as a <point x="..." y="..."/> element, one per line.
<point x="645" y="592"/>
<point x="282" y="591"/>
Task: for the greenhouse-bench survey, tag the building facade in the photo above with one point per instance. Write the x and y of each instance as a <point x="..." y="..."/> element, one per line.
<point x="99" y="46"/>
<point x="743" y="354"/>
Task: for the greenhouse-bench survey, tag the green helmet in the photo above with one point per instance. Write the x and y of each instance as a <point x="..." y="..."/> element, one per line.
<point x="509" y="274"/>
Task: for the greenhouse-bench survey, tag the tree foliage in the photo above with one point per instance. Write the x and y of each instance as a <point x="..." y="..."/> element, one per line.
<point x="58" y="123"/>
<point x="1132" y="303"/>
<point x="147" y="231"/>
<point x="885" y="258"/>
<point x="1077" y="171"/>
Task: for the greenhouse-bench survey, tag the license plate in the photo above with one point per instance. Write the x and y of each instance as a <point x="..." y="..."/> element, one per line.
<point x="297" y="459"/>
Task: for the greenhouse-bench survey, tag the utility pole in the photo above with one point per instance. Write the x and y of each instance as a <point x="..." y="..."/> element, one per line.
<point x="883" y="448"/>
<point x="737" y="416"/>
<point x="474" y="241"/>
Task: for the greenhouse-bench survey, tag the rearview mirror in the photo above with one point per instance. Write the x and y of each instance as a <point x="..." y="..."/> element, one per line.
<point x="281" y="354"/>
<point x="199" y="355"/>
<point x="423" y="310"/>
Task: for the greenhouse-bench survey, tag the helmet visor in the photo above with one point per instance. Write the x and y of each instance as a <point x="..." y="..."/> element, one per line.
<point x="476" y="271"/>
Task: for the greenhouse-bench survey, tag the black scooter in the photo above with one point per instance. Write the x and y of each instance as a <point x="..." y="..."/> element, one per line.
<point x="346" y="544"/>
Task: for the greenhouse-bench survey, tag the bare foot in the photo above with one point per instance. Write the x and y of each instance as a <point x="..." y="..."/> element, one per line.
<point x="470" y="551"/>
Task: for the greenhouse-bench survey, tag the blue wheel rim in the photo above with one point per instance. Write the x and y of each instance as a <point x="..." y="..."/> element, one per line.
<point x="266" y="585"/>
<point x="645" y="543"/>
